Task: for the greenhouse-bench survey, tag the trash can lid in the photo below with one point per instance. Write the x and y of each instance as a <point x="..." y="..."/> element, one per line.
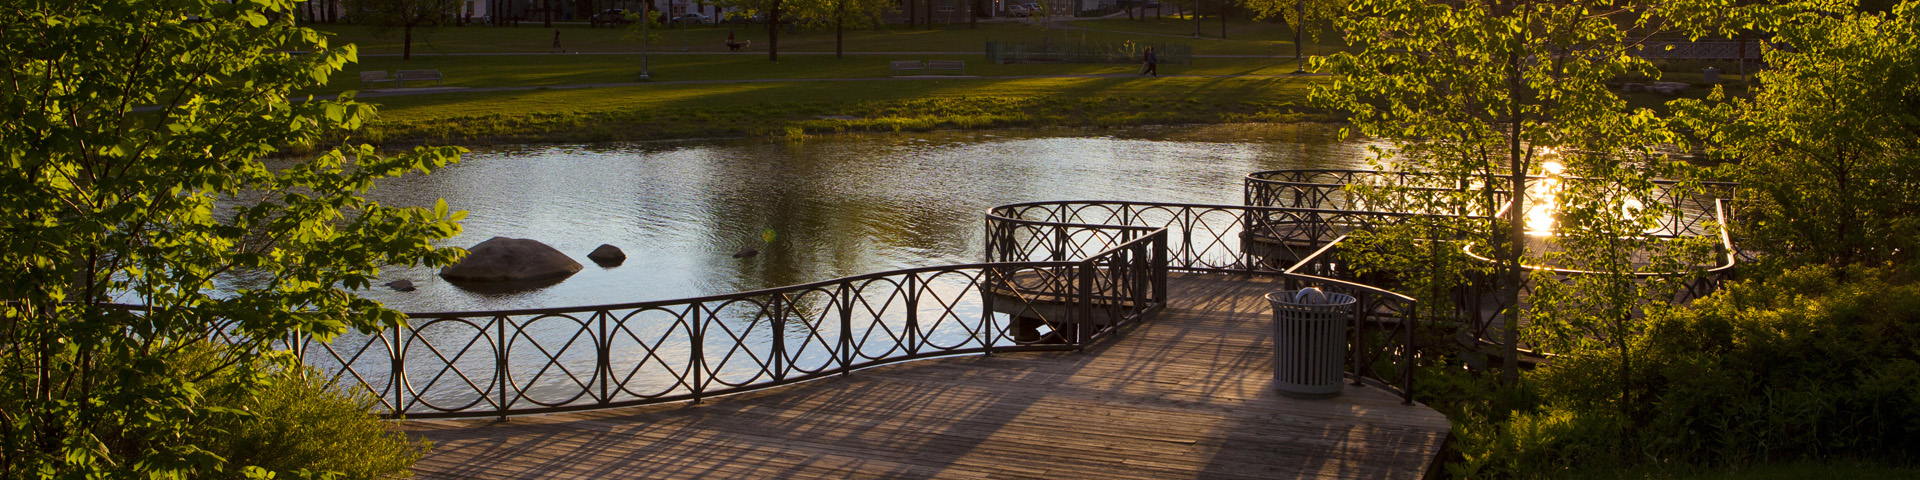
<point x="1310" y="296"/>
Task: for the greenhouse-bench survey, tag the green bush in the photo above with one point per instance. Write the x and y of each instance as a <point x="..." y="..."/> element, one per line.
<point x="300" y="425"/>
<point x="1812" y="364"/>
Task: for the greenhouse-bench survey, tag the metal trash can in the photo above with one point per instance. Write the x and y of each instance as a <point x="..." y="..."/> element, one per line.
<point x="1309" y="341"/>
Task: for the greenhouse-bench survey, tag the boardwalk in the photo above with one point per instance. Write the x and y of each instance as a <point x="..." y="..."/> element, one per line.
<point x="1184" y="396"/>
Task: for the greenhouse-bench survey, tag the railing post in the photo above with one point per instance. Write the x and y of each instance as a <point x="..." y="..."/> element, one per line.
<point x="1412" y="321"/>
<point x="1060" y="242"/>
<point x="913" y="314"/>
<point x="777" y="318"/>
<point x="698" y="334"/>
<point x="1359" y="335"/>
<point x="606" y="357"/>
<point x="399" y="377"/>
<point x="989" y="275"/>
<point x="500" y="361"/>
<point x="846" y="329"/>
<point x="1160" y="267"/>
<point x="1084" y="325"/>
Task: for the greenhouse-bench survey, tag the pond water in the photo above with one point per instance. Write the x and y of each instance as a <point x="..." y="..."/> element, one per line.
<point x="837" y="205"/>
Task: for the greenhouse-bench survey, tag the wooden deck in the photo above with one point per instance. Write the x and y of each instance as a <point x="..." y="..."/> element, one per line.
<point x="1187" y="395"/>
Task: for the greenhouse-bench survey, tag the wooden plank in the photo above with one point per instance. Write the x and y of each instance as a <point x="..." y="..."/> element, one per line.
<point x="1184" y="395"/>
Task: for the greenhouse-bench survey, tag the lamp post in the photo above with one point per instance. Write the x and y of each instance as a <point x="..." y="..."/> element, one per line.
<point x="646" y="18"/>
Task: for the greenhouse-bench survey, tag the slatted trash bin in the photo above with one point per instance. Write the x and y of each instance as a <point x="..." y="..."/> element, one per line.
<point x="1309" y="341"/>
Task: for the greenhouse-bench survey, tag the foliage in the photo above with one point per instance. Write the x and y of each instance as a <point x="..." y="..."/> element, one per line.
<point x="301" y="424"/>
<point x="178" y="208"/>
<point x="775" y="11"/>
<point x="1477" y="96"/>
<point x="1307" y="17"/>
<point x="842" y="15"/>
<point x="1814" y="364"/>
<point x="1826" y="149"/>
<point x="407" y="16"/>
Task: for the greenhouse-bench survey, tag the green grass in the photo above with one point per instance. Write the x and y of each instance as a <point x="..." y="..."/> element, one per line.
<point x="788" y="108"/>
<point x="1244" y="37"/>
<point x="553" y="70"/>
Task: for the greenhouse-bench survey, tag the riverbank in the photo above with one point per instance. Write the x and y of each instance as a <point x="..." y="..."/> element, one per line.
<point x="801" y="108"/>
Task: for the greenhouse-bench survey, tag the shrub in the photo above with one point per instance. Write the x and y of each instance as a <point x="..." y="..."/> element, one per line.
<point x="300" y="424"/>
<point x="1811" y="364"/>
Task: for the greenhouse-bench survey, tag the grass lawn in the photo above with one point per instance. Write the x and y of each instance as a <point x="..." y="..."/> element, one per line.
<point x="749" y="98"/>
<point x="801" y="108"/>
<point x="1244" y="37"/>
<point x="564" y="69"/>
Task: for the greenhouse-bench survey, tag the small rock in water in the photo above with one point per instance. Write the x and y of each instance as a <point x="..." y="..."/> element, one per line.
<point x="748" y="252"/>
<point x="607" y="255"/>
<point x="400" y="285"/>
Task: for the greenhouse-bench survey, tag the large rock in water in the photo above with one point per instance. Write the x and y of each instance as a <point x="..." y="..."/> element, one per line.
<point x="501" y="259"/>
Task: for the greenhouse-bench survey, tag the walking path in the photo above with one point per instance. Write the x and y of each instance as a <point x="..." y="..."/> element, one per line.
<point x="1187" y="394"/>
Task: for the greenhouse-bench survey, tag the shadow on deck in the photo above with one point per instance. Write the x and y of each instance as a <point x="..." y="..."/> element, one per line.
<point x="1187" y="394"/>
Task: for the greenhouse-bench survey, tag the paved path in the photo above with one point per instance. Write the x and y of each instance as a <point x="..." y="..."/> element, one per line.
<point x="1186" y="395"/>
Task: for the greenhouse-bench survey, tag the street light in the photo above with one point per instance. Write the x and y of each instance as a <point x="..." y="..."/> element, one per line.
<point x="646" y="18"/>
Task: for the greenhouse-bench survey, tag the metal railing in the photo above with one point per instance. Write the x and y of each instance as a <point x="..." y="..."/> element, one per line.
<point x="497" y="363"/>
<point x="1229" y="239"/>
<point x="1700" y="209"/>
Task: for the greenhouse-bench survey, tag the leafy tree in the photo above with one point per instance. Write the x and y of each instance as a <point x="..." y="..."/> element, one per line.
<point x="772" y="10"/>
<point x="1303" y="15"/>
<point x="146" y="146"/>
<point x="1476" y="95"/>
<point x="841" y="15"/>
<point x="410" y="15"/>
<point x="1827" y="150"/>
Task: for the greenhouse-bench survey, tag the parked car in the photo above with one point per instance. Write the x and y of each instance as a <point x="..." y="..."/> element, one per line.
<point x="693" y="17"/>
<point x="1019" y="10"/>
<point x="612" y="17"/>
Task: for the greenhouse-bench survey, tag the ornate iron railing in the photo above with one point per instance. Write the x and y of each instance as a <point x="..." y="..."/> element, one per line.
<point x="1700" y="209"/>
<point x="1228" y="239"/>
<point x="466" y="364"/>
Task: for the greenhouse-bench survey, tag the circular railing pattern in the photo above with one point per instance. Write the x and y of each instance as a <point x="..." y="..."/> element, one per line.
<point x="1059" y="275"/>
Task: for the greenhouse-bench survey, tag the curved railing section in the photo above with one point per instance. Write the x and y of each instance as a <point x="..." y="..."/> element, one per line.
<point x="468" y="364"/>
<point x="1270" y="241"/>
<point x="1059" y="276"/>
<point x="1700" y="209"/>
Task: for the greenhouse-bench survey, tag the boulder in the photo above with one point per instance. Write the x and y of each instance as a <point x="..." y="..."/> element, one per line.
<point x="400" y="285"/>
<point x="501" y="259"/>
<point x="607" y="255"/>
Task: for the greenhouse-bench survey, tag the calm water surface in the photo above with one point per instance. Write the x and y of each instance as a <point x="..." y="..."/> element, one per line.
<point x="839" y="206"/>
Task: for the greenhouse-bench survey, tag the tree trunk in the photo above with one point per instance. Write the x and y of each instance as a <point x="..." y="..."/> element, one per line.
<point x="839" y="29"/>
<point x="773" y="32"/>
<point x="1196" y="18"/>
<point x="1223" y="20"/>
<point x="1300" y="20"/>
<point x="406" y="43"/>
<point x="547" y="9"/>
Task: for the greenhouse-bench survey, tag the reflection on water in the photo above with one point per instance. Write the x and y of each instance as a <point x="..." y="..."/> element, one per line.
<point x="840" y="205"/>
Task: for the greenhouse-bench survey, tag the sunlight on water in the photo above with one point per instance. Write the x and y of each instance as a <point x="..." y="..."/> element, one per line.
<point x="840" y="205"/>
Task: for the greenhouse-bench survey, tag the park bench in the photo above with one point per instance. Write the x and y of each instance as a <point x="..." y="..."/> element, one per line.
<point x="736" y="46"/>
<point x="959" y="67"/>
<point x="375" y="78"/>
<point x="907" y="65"/>
<point x="419" y="75"/>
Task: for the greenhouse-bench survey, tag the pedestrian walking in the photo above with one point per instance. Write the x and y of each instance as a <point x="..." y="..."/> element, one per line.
<point x="1152" y="61"/>
<point x="556" y="42"/>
